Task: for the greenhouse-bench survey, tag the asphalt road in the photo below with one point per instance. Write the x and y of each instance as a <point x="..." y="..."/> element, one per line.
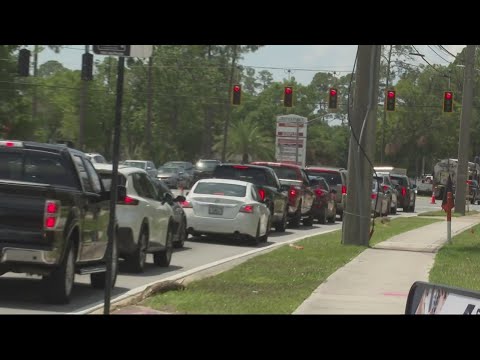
<point x="21" y="294"/>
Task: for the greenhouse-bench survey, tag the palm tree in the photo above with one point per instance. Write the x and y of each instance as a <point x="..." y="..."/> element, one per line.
<point x="245" y="138"/>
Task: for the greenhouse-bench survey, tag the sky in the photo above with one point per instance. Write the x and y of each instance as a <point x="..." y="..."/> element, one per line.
<point x="303" y="61"/>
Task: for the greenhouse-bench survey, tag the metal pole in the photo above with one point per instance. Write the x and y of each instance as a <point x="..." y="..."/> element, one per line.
<point x="83" y="110"/>
<point x="356" y="220"/>
<point x="114" y="184"/>
<point x="227" y="118"/>
<point x="384" y="123"/>
<point x="449" y="216"/>
<point x="148" y="125"/>
<point x="297" y="138"/>
<point x="464" y="140"/>
<point x="35" y="73"/>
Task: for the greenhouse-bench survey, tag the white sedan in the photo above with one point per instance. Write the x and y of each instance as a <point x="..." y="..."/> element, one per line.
<point x="227" y="207"/>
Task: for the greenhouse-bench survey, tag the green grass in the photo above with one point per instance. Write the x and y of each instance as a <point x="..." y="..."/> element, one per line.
<point x="384" y="231"/>
<point x="444" y="214"/>
<point x="276" y="282"/>
<point x="458" y="263"/>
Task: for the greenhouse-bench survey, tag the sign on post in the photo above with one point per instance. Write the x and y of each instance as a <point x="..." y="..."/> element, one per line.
<point x="142" y="51"/>
<point x="291" y="139"/>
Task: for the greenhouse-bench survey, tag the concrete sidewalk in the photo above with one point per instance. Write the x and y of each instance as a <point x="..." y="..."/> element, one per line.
<point x="378" y="280"/>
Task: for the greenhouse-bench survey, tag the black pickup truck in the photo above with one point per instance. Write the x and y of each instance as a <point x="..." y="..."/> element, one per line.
<point x="54" y="216"/>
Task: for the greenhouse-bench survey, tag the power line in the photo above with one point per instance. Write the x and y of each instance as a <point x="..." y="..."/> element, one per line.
<point x="448" y="52"/>
<point x="423" y="58"/>
<point x="438" y="54"/>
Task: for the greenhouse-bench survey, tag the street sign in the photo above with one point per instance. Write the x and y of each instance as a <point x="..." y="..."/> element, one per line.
<point x="291" y="139"/>
<point x="141" y="51"/>
<point x="119" y="50"/>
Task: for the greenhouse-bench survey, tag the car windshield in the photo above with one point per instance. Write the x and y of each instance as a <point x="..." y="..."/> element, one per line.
<point x="332" y="178"/>
<point x="169" y="170"/>
<point x="206" y="165"/>
<point x="285" y="173"/>
<point x="221" y="189"/>
<point x="137" y="164"/>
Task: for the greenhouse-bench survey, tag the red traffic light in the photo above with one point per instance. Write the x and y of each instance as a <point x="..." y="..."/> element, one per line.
<point x="448" y="95"/>
<point x="391" y="94"/>
<point x="288" y="90"/>
<point x="236" y="88"/>
<point x="333" y="92"/>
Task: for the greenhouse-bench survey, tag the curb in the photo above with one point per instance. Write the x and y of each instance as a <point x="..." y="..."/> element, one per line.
<point x="138" y="294"/>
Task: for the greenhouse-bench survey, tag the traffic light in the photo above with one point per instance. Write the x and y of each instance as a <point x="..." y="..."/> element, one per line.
<point x="87" y="67"/>
<point x="288" y="96"/>
<point x="236" y="94"/>
<point x="24" y="62"/>
<point x="332" y="98"/>
<point x="448" y="101"/>
<point x="390" y="100"/>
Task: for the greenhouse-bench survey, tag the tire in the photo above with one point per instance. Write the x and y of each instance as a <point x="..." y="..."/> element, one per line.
<point x="164" y="257"/>
<point x="282" y="226"/>
<point x="295" y="221"/>
<point x="264" y="238"/>
<point x="308" y="221"/>
<point x="322" y="219"/>
<point x="255" y="240"/>
<point x="59" y="283"/>
<point x="98" y="280"/>
<point x="332" y="219"/>
<point x="393" y="210"/>
<point x="181" y="235"/>
<point x="136" y="261"/>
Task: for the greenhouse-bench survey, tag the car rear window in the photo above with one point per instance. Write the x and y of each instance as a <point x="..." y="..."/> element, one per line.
<point x="332" y="178"/>
<point x="221" y="189"/>
<point x="107" y="180"/>
<point x="36" y="166"/>
<point x="243" y="173"/>
<point x="137" y="164"/>
<point x="285" y="173"/>
<point x="398" y="180"/>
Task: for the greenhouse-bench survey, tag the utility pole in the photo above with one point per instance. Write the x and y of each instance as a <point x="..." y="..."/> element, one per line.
<point x="35" y="74"/>
<point x="356" y="220"/>
<point x="148" y="125"/>
<point x="83" y="110"/>
<point x="229" y="106"/>
<point x="384" y="123"/>
<point x="296" y="140"/>
<point x="464" y="140"/>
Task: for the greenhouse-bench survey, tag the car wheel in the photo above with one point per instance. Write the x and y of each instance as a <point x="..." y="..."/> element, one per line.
<point x="59" y="283"/>
<point x="256" y="239"/>
<point x="308" y="221"/>
<point x="136" y="261"/>
<point x="181" y="235"/>
<point x="282" y="226"/>
<point x="164" y="257"/>
<point x="295" y="221"/>
<point x="98" y="280"/>
<point x="264" y="238"/>
<point x="322" y="219"/>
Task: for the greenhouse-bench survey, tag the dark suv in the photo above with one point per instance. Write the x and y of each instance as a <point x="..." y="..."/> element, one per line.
<point x="336" y="179"/>
<point x="269" y="188"/>
<point x="406" y="196"/>
<point x="204" y="169"/>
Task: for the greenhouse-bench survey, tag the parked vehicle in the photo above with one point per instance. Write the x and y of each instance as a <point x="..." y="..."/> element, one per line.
<point x="424" y="184"/>
<point x="268" y="185"/>
<point x="187" y="165"/>
<point x="294" y="180"/>
<point x="173" y="176"/>
<point x="446" y="167"/>
<point x="204" y="169"/>
<point x="227" y="207"/>
<point x="389" y="189"/>
<point x="336" y="179"/>
<point x="145" y="221"/>
<point x="146" y="165"/>
<point x="96" y="158"/>
<point x="406" y="192"/>
<point x="179" y="217"/>
<point x="473" y="191"/>
<point x="54" y="216"/>
<point x="324" y="207"/>
<point x="380" y="200"/>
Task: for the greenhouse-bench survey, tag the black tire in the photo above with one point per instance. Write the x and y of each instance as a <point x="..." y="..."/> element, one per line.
<point x="136" y="261"/>
<point x="281" y="226"/>
<point x="308" y="221"/>
<point x="322" y="219"/>
<point x="264" y="238"/>
<point x="98" y="280"/>
<point x="59" y="283"/>
<point x="164" y="257"/>
<point x="332" y="219"/>
<point x="181" y="235"/>
<point x="295" y="221"/>
<point x="255" y="240"/>
<point x="393" y="210"/>
<point x="341" y="216"/>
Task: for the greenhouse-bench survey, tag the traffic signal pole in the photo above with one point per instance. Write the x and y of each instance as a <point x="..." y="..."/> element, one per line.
<point x="83" y="110"/>
<point x="356" y="220"/>
<point x="464" y="140"/>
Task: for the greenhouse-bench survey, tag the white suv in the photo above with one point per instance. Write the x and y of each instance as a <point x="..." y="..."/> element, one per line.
<point x="145" y="221"/>
<point x="96" y="158"/>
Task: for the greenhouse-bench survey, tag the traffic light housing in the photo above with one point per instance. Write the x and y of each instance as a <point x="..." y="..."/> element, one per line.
<point x="87" y="67"/>
<point x="448" y="101"/>
<point x="288" y="96"/>
<point x="236" y="94"/>
<point x="390" y="100"/>
<point x="332" y="99"/>
<point x="24" y="62"/>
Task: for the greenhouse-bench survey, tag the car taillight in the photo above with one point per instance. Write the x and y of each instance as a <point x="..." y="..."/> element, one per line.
<point x="319" y="192"/>
<point x="373" y="196"/>
<point x="292" y="192"/>
<point x="469" y="182"/>
<point x="9" y="143"/>
<point x="404" y="191"/>
<point x="385" y="187"/>
<point x="186" y="204"/>
<point x="129" y="201"/>
<point x="344" y="189"/>
<point x="51" y="212"/>
<point x="242" y="167"/>
<point x="262" y="194"/>
<point x="247" y="209"/>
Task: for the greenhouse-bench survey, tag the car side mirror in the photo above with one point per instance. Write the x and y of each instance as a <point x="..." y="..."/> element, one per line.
<point x="180" y="198"/>
<point x="167" y="198"/>
<point x="121" y="193"/>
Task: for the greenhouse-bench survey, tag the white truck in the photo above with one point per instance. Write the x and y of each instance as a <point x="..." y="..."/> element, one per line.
<point x="446" y="167"/>
<point x="424" y="184"/>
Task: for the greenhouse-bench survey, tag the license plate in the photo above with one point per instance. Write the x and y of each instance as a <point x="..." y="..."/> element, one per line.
<point x="215" y="210"/>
